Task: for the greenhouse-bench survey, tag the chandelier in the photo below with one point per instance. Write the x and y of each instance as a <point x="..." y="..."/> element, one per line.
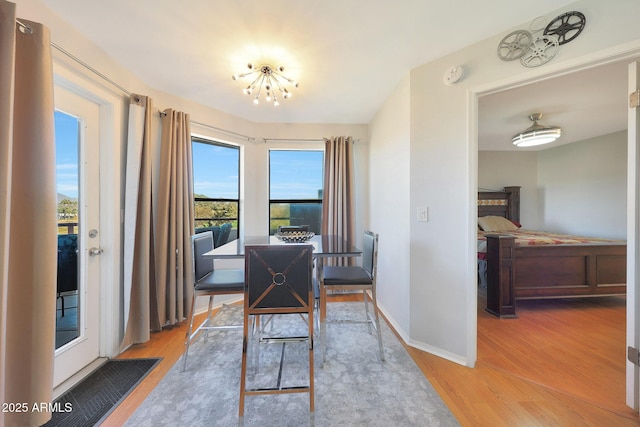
<point x="536" y="134"/>
<point x="268" y="79"/>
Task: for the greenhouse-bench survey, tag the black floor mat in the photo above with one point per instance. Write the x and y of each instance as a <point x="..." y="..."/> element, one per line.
<point x="91" y="400"/>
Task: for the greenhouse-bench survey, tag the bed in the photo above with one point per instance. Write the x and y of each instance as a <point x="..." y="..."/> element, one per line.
<point x="542" y="265"/>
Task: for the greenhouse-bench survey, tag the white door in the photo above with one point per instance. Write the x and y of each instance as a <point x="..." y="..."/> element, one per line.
<point x="633" y="240"/>
<point x="78" y="187"/>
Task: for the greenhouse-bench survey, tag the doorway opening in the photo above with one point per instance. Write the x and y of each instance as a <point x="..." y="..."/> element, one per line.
<point x="572" y="345"/>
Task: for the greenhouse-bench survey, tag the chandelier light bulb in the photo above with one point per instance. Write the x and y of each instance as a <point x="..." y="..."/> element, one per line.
<point x="268" y="79"/>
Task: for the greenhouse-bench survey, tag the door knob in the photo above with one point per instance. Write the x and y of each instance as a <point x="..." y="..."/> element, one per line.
<point x="95" y="251"/>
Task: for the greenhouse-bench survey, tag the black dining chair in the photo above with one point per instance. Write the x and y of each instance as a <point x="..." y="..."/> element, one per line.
<point x="209" y="282"/>
<point x="278" y="281"/>
<point x="223" y="236"/>
<point x="353" y="278"/>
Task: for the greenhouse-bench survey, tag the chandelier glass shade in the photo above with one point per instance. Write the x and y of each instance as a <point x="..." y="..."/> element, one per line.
<point x="268" y="81"/>
<point x="536" y="134"/>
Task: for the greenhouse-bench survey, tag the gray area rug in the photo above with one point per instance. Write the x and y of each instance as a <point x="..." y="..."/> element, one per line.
<point x="353" y="388"/>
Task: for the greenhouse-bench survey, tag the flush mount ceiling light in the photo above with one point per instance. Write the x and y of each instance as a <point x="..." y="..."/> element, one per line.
<point x="269" y="80"/>
<point x="536" y="134"/>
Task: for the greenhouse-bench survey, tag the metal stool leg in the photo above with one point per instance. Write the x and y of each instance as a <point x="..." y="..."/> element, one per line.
<point x="377" y="319"/>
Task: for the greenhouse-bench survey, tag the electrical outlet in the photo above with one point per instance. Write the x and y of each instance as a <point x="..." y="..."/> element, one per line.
<point x="423" y="214"/>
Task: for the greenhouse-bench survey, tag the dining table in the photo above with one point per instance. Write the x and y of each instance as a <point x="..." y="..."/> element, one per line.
<point x="324" y="247"/>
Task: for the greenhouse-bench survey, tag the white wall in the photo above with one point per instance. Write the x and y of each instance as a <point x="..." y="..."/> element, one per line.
<point x="443" y="167"/>
<point x="583" y="187"/>
<point x="441" y="179"/>
<point x="577" y="188"/>
<point x="389" y="204"/>
<point x="499" y="169"/>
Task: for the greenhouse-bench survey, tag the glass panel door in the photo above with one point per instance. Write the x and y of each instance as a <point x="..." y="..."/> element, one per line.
<point x="77" y="121"/>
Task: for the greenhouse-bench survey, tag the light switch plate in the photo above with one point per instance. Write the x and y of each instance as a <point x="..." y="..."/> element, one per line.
<point x="423" y="214"/>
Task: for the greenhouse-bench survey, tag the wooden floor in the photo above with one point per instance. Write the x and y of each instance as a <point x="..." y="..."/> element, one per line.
<point x="561" y="363"/>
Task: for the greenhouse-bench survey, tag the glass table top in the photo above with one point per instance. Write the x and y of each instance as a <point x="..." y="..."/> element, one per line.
<point x="323" y="246"/>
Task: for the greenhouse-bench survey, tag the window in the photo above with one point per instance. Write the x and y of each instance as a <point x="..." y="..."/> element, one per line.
<point x="67" y="140"/>
<point x="216" y="189"/>
<point x="295" y="188"/>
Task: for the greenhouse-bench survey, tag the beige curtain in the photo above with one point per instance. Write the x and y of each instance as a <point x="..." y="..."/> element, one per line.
<point x="27" y="218"/>
<point x="139" y="253"/>
<point x="174" y="224"/>
<point x="338" y="199"/>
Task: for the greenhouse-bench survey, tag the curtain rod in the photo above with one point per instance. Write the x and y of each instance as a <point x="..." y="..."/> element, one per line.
<point x="248" y="138"/>
<point x="75" y="58"/>
<point x="24" y="26"/>
<point x="90" y="68"/>
<point x="354" y="140"/>
<point x="293" y="139"/>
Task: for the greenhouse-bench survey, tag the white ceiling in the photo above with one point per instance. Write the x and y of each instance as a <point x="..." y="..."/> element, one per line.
<point x="348" y="56"/>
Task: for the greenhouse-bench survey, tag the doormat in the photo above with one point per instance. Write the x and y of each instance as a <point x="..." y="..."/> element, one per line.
<point x="90" y="401"/>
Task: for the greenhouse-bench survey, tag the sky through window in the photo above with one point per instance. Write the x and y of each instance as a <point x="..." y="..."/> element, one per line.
<point x="295" y="174"/>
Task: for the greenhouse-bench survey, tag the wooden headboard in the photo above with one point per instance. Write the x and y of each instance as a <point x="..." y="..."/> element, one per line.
<point x="505" y="203"/>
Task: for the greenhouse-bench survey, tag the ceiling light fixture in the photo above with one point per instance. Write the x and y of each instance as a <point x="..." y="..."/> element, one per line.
<point x="269" y="79"/>
<point x="536" y="134"/>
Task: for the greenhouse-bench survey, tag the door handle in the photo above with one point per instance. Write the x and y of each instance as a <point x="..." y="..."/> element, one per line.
<point x="95" y="251"/>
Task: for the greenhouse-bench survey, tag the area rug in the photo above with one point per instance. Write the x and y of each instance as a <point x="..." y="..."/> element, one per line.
<point x="95" y="397"/>
<point x="352" y="388"/>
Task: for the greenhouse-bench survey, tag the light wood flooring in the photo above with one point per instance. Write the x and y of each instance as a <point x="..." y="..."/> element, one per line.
<point x="561" y="363"/>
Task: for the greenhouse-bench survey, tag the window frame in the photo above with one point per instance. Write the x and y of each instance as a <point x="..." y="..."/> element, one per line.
<point x="310" y="201"/>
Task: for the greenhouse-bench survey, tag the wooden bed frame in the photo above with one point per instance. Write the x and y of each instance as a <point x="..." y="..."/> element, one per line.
<point x="545" y="271"/>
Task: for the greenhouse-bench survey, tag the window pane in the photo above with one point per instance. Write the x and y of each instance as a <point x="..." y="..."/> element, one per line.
<point x="295" y="213"/>
<point x="215" y="170"/>
<point x="216" y="188"/>
<point x="67" y="180"/>
<point x="295" y="174"/>
<point x="67" y="186"/>
<point x="295" y="189"/>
